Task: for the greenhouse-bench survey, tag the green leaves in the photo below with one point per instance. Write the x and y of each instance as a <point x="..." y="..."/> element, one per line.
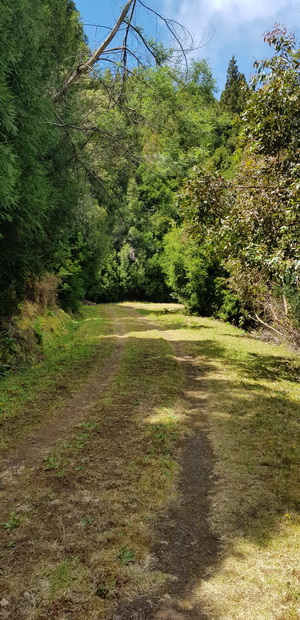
<point x="272" y="116"/>
<point x="35" y="188"/>
<point x="13" y="522"/>
<point x="126" y="556"/>
<point x="203" y="201"/>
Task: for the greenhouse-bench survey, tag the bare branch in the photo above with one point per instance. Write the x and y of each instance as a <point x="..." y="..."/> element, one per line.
<point x="268" y="326"/>
<point x="113" y="50"/>
<point x="128" y="70"/>
<point x="124" y="58"/>
<point x="169" y="24"/>
<point x="172" y="24"/>
<point x="142" y="38"/>
<point x="84" y="68"/>
<point x="90" y="173"/>
<point x="95" y="129"/>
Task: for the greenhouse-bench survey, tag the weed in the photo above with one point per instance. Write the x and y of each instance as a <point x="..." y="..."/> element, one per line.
<point x="103" y="591"/>
<point x="88" y="521"/>
<point x="64" y="575"/>
<point x="126" y="556"/>
<point x="52" y="461"/>
<point x="13" y="522"/>
<point x="91" y="426"/>
<point x="10" y="544"/>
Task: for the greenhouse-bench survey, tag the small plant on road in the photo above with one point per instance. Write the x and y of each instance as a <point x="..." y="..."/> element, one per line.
<point x="13" y="521"/>
<point x="126" y="556"/>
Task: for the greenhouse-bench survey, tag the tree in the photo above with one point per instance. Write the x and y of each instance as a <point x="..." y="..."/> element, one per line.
<point x="38" y="189"/>
<point x="235" y="92"/>
<point x="263" y="229"/>
<point x="174" y="135"/>
<point x="120" y="54"/>
<point x="44" y="151"/>
<point x="251" y="225"/>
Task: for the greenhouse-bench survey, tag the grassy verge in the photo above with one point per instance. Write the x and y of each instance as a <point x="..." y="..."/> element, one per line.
<point x="253" y="407"/>
<point x="70" y="347"/>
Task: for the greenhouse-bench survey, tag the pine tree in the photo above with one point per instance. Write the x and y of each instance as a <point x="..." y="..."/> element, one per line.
<point x="234" y="94"/>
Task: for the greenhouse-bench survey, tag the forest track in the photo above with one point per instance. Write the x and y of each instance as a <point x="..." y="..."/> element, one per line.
<point x="181" y="545"/>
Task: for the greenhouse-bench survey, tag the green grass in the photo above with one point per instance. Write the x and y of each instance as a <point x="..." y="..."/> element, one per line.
<point x="70" y="347"/>
<point x="253" y="406"/>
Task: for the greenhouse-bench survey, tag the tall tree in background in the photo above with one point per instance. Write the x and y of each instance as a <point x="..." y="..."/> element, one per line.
<point x="234" y="94"/>
<point x="233" y="99"/>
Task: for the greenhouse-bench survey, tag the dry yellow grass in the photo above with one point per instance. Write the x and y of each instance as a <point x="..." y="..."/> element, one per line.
<point x="254" y="405"/>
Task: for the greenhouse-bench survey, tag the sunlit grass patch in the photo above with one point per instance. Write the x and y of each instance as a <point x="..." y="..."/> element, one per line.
<point x="166" y="415"/>
<point x="257" y="582"/>
<point x="253" y="406"/>
<point x="149" y="307"/>
<point x="61" y="577"/>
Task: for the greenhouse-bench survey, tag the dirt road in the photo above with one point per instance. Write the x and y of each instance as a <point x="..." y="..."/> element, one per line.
<point x="112" y="502"/>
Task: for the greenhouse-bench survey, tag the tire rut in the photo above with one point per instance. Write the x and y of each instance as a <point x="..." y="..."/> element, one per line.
<point x="185" y="549"/>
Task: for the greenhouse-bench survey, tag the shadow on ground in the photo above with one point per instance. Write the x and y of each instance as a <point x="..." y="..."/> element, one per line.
<point x="255" y="487"/>
<point x="252" y="482"/>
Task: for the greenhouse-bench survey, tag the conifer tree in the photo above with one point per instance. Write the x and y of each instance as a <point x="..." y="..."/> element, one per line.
<point x="234" y="94"/>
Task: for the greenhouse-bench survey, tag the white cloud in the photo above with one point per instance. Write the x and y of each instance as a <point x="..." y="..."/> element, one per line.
<point x="231" y="13"/>
<point x="237" y="27"/>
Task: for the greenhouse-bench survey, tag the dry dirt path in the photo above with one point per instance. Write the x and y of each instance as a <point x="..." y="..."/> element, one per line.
<point x="37" y="445"/>
<point x="181" y="544"/>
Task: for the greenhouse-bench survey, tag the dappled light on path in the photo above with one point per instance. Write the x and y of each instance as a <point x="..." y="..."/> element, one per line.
<point x="166" y="487"/>
<point x="251" y="394"/>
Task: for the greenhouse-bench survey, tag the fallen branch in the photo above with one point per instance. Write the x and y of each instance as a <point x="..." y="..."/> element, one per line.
<point x="268" y="326"/>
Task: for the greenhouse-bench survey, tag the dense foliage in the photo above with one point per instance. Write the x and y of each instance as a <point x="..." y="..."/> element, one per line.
<point x="37" y="189"/>
<point x="255" y="226"/>
<point x="139" y="183"/>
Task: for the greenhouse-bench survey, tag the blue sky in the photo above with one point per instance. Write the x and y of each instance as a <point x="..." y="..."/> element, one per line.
<point x="225" y="27"/>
